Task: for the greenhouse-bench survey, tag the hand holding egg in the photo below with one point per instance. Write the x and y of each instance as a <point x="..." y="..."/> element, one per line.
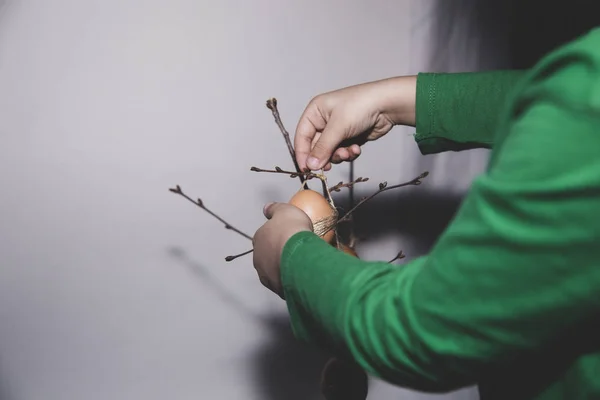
<point x="307" y="211"/>
<point x="284" y="221"/>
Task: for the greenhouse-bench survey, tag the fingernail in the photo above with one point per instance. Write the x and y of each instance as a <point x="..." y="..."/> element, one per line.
<point x="313" y="163"/>
<point x="266" y="207"/>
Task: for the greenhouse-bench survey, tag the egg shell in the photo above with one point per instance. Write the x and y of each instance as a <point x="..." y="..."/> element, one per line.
<point x="348" y="250"/>
<point x="316" y="207"/>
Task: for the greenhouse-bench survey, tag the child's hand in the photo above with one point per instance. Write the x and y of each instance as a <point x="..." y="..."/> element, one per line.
<point x="285" y="220"/>
<point x="335" y="124"/>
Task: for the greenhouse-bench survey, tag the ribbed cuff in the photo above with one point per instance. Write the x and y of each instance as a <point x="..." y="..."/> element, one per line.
<point x="426" y="111"/>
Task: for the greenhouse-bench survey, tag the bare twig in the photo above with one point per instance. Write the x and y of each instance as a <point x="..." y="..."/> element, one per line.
<point x="307" y="175"/>
<point x="383" y="187"/>
<point x="199" y="203"/>
<point x="277" y="170"/>
<point x="326" y="191"/>
<point x="351" y="233"/>
<point x="338" y="242"/>
<point x="272" y="105"/>
<point x="349" y="185"/>
<point x="231" y="258"/>
<point x="351" y="188"/>
<point x="353" y="240"/>
<point x="399" y="256"/>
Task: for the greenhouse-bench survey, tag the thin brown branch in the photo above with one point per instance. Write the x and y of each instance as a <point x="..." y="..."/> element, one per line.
<point x="351" y="232"/>
<point x="399" y="256"/>
<point x="277" y="170"/>
<point x="326" y="191"/>
<point x="351" y="188"/>
<point x="272" y="105"/>
<point x="338" y="241"/>
<point x="353" y="239"/>
<point x="199" y="203"/>
<point x="308" y="175"/>
<point x="383" y="187"/>
<point x="231" y="258"/>
<point x="349" y="185"/>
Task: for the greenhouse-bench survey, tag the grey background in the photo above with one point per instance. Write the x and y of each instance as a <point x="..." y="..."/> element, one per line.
<point x="113" y="288"/>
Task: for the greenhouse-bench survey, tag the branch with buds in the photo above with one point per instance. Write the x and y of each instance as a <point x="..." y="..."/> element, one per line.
<point x="304" y="176"/>
<point x="277" y="170"/>
<point x="200" y="203"/>
<point x="348" y="185"/>
<point x="399" y="256"/>
<point x="272" y="105"/>
<point x="310" y="175"/>
<point x="383" y="187"/>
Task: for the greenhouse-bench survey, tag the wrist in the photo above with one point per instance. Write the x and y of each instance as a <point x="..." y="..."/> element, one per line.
<point x="285" y="238"/>
<point x="398" y="97"/>
<point x="291" y="246"/>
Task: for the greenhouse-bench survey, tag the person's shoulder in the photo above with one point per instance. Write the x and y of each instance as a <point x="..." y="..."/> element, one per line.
<point x="588" y="43"/>
<point x="569" y="75"/>
<point x="552" y="124"/>
<point x="582" y="48"/>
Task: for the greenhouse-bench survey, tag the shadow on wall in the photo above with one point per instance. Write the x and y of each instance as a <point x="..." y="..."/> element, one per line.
<point x="284" y="368"/>
<point x="4" y="391"/>
<point x="506" y="33"/>
<point x="417" y="213"/>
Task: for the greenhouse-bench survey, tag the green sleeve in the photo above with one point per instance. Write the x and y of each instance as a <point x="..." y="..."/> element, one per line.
<point x="516" y="268"/>
<point x="460" y="111"/>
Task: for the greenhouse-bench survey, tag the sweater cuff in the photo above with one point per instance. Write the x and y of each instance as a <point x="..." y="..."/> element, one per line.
<point x="432" y="135"/>
<point x="426" y="114"/>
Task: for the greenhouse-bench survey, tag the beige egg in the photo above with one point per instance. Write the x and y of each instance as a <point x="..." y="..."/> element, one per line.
<point x="316" y="207"/>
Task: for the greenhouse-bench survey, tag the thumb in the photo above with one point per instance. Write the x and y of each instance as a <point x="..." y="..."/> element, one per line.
<point x="271" y="209"/>
<point x="331" y="137"/>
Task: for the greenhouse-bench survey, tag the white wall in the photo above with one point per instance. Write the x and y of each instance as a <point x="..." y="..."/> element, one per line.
<point x="109" y="284"/>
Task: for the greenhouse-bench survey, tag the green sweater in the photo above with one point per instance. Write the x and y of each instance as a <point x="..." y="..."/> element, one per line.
<point x="509" y="296"/>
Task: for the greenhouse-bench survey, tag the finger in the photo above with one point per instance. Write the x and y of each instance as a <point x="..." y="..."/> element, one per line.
<point x="352" y="158"/>
<point x="273" y="208"/>
<point x="315" y="139"/>
<point x="266" y="208"/>
<point x="340" y="155"/>
<point x="311" y="122"/>
<point x="327" y="167"/>
<point x="355" y="150"/>
<point x="332" y="136"/>
<point x="265" y="282"/>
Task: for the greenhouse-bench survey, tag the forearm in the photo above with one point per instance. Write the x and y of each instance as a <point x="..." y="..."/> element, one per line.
<point x="349" y="311"/>
<point x="365" y="311"/>
<point x="460" y="111"/>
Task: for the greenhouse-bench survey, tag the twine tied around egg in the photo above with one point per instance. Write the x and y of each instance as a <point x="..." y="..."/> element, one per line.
<point x="324" y="225"/>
